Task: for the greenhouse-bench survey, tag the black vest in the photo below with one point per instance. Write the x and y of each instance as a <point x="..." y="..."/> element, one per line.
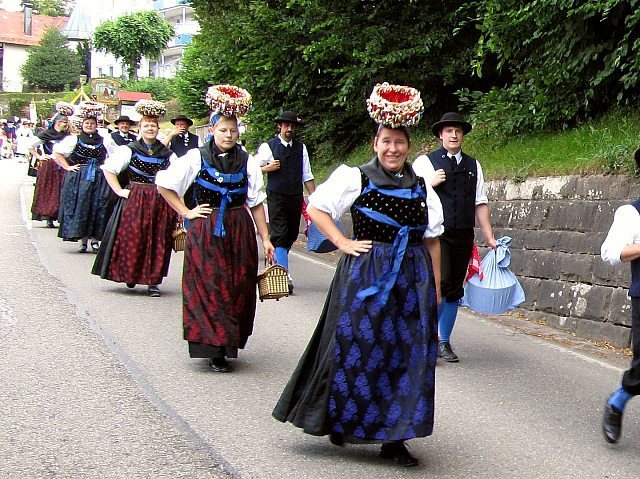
<point x="458" y="193"/>
<point x="288" y="179"/>
<point x="634" y="287"/>
<point x="120" y="140"/>
<point x="178" y="146"/>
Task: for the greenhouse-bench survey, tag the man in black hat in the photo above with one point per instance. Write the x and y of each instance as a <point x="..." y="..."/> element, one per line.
<point x="123" y="136"/>
<point x="458" y="180"/>
<point x="285" y="160"/>
<point x="622" y="244"/>
<point x="180" y="140"/>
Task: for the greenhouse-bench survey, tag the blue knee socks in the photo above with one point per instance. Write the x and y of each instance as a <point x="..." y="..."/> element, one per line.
<point x="282" y="256"/>
<point x="447" y="312"/>
<point x="619" y="399"/>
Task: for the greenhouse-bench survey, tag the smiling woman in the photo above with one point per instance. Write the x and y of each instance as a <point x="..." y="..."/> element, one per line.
<point x="368" y="373"/>
<point x="136" y="248"/>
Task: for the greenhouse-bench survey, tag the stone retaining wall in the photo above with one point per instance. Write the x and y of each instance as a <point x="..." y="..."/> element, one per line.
<point x="557" y="225"/>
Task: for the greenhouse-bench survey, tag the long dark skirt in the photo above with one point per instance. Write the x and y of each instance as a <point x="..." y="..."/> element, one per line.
<point x="46" y="198"/>
<point x="219" y="281"/>
<point x="369" y="369"/>
<point x="85" y="205"/>
<point x="136" y="247"/>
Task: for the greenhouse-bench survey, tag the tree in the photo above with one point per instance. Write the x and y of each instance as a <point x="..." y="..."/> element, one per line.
<point x="322" y="58"/>
<point x="51" y="65"/>
<point x="569" y="59"/>
<point x="53" y="8"/>
<point x="130" y="37"/>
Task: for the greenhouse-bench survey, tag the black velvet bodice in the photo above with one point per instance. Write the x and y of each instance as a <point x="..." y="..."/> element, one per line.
<point x="407" y="212"/>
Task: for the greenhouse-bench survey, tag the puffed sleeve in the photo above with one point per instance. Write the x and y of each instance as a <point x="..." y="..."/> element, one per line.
<point x="435" y="213"/>
<point x="625" y="230"/>
<point x="255" y="195"/>
<point x="118" y="160"/>
<point x="181" y="173"/>
<point x="66" y="145"/>
<point x="336" y="195"/>
<point x="423" y="167"/>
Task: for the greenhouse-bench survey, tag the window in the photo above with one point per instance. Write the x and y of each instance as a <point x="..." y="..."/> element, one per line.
<point x="111" y="71"/>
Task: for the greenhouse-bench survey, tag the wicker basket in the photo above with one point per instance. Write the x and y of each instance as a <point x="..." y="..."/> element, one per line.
<point x="272" y="283"/>
<point x="179" y="237"/>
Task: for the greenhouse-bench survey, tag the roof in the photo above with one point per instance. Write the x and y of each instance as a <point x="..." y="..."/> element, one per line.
<point x="12" y="30"/>
<point x="133" y="96"/>
<point x="80" y="25"/>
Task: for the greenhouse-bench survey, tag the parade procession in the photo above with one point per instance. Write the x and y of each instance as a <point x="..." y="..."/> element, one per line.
<point x="276" y="240"/>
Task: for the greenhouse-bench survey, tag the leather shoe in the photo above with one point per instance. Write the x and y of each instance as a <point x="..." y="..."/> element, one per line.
<point x="397" y="451"/>
<point x="611" y="424"/>
<point x="219" y="365"/>
<point x="446" y="353"/>
<point x="336" y="438"/>
<point x="154" y="291"/>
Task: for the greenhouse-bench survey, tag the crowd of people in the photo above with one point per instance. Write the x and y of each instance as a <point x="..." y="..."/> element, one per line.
<point x="368" y="372"/>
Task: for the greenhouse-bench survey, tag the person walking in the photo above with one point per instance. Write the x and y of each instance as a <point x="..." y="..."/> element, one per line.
<point x="136" y="246"/>
<point x="46" y="198"/>
<point x="622" y="245"/>
<point x="458" y="180"/>
<point x="85" y="198"/>
<point x="368" y="372"/>
<point x="285" y="160"/>
<point x="180" y="140"/>
<point x="221" y="254"/>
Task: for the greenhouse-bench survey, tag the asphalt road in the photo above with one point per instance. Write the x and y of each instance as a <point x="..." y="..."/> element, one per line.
<point x="95" y="381"/>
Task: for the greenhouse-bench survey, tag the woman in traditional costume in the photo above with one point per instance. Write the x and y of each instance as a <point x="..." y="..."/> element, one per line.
<point x="221" y="254"/>
<point x="368" y="373"/>
<point x="85" y="199"/>
<point x="136" y="247"/>
<point x="46" y="198"/>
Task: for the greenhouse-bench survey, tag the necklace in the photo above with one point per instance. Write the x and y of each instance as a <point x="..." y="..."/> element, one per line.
<point x="149" y="148"/>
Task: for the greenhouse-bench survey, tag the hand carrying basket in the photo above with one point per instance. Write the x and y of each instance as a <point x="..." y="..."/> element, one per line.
<point x="179" y="237"/>
<point x="272" y="282"/>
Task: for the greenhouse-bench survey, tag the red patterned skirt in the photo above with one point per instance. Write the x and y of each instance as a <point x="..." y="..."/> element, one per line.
<point x="219" y="280"/>
<point x="46" y="198"/>
<point x="141" y="248"/>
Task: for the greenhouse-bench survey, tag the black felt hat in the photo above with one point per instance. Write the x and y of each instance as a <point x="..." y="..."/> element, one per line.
<point x="288" y="117"/>
<point x="184" y="118"/>
<point x="449" y="119"/>
<point x="124" y="118"/>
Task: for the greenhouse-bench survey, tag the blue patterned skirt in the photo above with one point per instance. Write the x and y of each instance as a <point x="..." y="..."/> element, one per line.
<point x="85" y="205"/>
<point x="369" y="369"/>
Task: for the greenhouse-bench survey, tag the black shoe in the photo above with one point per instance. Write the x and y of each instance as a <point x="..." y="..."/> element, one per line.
<point x="154" y="291"/>
<point x="131" y="285"/>
<point x="398" y="452"/>
<point x="95" y="246"/>
<point x="336" y="438"/>
<point x="290" y="284"/>
<point x="611" y="424"/>
<point x="446" y="353"/>
<point x="50" y="224"/>
<point x="83" y="248"/>
<point x="219" y="365"/>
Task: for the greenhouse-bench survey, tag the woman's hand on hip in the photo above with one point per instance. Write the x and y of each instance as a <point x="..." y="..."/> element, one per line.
<point x="200" y="211"/>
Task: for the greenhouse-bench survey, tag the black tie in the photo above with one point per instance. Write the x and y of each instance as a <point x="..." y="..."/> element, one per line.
<point x="454" y="163"/>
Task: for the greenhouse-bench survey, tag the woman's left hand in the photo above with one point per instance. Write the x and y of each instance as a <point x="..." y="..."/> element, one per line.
<point x="269" y="251"/>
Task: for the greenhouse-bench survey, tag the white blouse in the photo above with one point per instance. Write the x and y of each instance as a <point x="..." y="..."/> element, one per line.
<point x="624" y="231"/>
<point x="183" y="172"/>
<point x="423" y="167"/>
<point x="118" y="160"/>
<point x="69" y="142"/>
<point x="336" y="195"/>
